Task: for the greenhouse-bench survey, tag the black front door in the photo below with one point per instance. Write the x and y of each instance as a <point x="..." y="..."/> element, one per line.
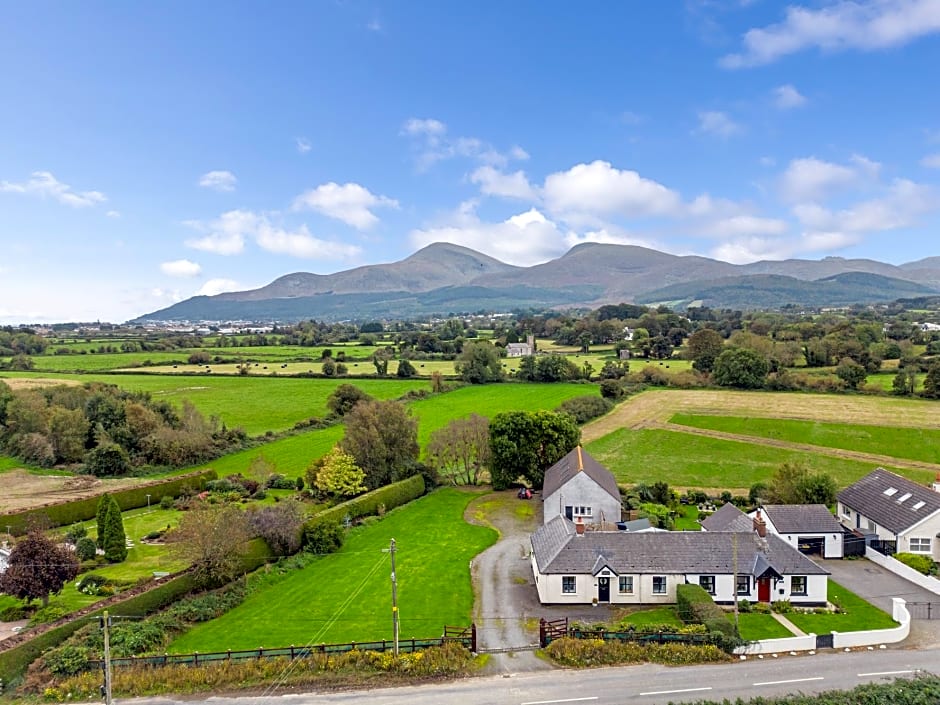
<point x="568" y="513"/>
<point x="603" y="589"/>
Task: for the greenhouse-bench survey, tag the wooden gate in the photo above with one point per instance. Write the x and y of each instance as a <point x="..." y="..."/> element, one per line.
<point x="551" y="630"/>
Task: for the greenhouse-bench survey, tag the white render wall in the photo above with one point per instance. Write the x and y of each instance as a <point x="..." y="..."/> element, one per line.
<point x="833" y="544"/>
<point x="927" y="529"/>
<point x="581" y="490"/>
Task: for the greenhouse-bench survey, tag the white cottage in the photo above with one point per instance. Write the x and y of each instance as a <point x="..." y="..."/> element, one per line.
<point x="810" y="528"/>
<point x="895" y="509"/>
<point x="580" y="488"/>
<point x="574" y="566"/>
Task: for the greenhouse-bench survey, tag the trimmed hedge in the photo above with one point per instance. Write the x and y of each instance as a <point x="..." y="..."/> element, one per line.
<point x="15" y="660"/>
<point x="65" y="513"/>
<point x="920" y="563"/>
<point x="390" y="496"/>
<point x="695" y="605"/>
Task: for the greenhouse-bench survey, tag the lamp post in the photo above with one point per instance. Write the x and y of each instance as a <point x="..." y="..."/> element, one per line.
<point x="148" y="501"/>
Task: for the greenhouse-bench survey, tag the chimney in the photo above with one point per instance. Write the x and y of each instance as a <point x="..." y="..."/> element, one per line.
<point x="579" y="527"/>
<point x="760" y="526"/>
<point x="581" y="461"/>
<point x="936" y="483"/>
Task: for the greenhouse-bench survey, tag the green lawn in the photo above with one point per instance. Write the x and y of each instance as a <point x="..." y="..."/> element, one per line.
<point x="898" y="442"/>
<point x="687" y="520"/>
<point x="687" y="460"/>
<point x="654" y="616"/>
<point x="346" y="596"/>
<point x="857" y="615"/>
<point x="754" y="627"/>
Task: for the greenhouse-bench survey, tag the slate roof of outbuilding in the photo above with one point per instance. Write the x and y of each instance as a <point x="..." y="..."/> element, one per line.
<point x="576" y="461"/>
<point x="727" y="518"/>
<point x="802" y="519"/>
<point x="867" y="496"/>
<point x="559" y="550"/>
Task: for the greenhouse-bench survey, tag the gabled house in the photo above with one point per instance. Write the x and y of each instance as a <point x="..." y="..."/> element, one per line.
<point x="574" y="566"/>
<point x="810" y="528"/>
<point x="4" y="558"/>
<point x="580" y="488"/>
<point x="894" y="508"/>
<point x="727" y="518"/>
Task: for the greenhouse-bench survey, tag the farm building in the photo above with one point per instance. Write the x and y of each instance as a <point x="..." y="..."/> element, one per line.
<point x="893" y="509"/>
<point x="572" y="565"/>
<point x="811" y="528"/>
<point x="579" y="487"/>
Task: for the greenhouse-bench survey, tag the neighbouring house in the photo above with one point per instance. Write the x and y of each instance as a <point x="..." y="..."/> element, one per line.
<point x="521" y="349"/>
<point x="4" y="557"/>
<point x="579" y="487"/>
<point x="810" y="528"/>
<point x="574" y="566"/>
<point x="727" y="518"/>
<point x="888" y="507"/>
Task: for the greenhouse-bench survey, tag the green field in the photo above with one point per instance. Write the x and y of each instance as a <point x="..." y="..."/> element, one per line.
<point x="857" y="615"/>
<point x="686" y="460"/>
<point x="346" y="596"/>
<point x="896" y="442"/>
<point x="754" y="627"/>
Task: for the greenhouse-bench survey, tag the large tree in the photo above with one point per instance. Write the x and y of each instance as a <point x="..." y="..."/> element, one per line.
<point x="794" y="483"/>
<point x="344" y="398"/>
<point x="850" y="372"/>
<point x="461" y="449"/>
<point x="37" y="568"/>
<point x="383" y="438"/>
<point x="704" y="347"/>
<point x="526" y="443"/>
<point x="213" y="540"/>
<point x="101" y="513"/>
<point x="337" y="474"/>
<point x="478" y="363"/>
<point x="741" y="367"/>
<point x="114" y="542"/>
<point x="932" y="382"/>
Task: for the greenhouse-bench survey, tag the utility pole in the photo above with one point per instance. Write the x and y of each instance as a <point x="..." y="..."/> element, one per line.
<point x="734" y="559"/>
<point x="106" y="626"/>
<point x="391" y="552"/>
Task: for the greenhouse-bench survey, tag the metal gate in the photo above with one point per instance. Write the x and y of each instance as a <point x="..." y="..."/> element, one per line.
<point x="824" y="641"/>
<point x="924" y="610"/>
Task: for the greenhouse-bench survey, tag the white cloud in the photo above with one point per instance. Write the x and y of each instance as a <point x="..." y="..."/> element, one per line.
<point x="715" y="122"/>
<point x="45" y="185"/>
<point x="218" y="180"/>
<point x="901" y="206"/>
<point x="217" y="286"/>
<point x="374" y="25"/>
<point x="848" y="24"/>
<point x="753" y="249"/>
<point x="931" y="161"/>
<point x="181" y="268"/>
<point x="227" y="234"/>
<point x="787" y="97"/>
<point x="433" y="144"/>
<point x="588" y="190"/>
<point x="303" y="144"/>
<point x="350" y="203"/>
<point x="740" y="225"/>
<point x="113" y="214"/>
<point x="496" y="183"/>
<point x="812" y="179"/>
<point x="427" y="126"/>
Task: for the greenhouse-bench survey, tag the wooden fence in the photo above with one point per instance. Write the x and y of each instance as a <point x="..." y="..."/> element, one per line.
<point x="462" y="635"/>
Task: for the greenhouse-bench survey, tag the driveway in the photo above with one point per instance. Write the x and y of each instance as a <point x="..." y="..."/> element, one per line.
<point x="878" y="585"/>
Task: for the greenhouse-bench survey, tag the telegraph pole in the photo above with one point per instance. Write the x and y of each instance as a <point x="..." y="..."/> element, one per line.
<point x="106" y="625"/>
<point x="391" y="552"/>
<point x="734" y="558"/>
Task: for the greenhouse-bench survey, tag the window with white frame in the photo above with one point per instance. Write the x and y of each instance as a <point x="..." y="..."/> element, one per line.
<point x="919" y="545"/>
<point x="569" y="585"/>
<point x="582" y="511"/>
<point x="798" y="585"/>
<point x="626" y="584"/>
<point x="659" y="584"/>
<point x="708" y="583"/>
<point x="744" y="585"/>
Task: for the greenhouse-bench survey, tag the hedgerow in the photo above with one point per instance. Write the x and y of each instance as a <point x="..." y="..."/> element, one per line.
<point x="580" y="653"/>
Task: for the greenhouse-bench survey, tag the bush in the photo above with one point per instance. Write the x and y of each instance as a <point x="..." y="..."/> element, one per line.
<point x="782" y="607"/>
<point x="325" y="536"/>
<point x="612" y="389"/>
<point x="695" y="605"/>
<point x="85" y="549"/>
<point x="597" y="652"/>
<point x="49" y="613"/>
<point x="922" y="564"/>
<point x="276" y="481"/>
<point x="391" y="496"/>
<point x="67" y="661"/>
<point x="166" y="502"/>
<point x="744" y="606"/>
<point x="91" y="583"/>
<point x="585" y="408"/>
<point x="14" y="613"/>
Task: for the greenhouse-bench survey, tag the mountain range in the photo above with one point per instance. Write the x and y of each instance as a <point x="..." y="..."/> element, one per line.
<point x="443" y="279"/>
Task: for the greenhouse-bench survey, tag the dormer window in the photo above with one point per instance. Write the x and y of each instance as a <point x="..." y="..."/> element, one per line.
<point x="891" y="491"/>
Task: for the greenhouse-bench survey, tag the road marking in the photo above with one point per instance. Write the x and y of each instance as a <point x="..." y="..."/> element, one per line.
<point x="792" y="680"/>
<point x="568" y="700"/>
<point x="669" y="692"/>
<point x="887" y="673"/>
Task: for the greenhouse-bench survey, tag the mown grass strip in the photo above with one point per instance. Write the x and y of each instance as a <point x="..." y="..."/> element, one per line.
<point x="755" y="627"/>
<point x="856" y="614"/>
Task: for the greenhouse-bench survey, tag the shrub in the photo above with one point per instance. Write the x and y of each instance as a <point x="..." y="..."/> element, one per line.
<point x="50" y="613"/>
<point x="323" y="536"/>
<point x="922" y="564"/>
<point x="75" y="533"/>
<point x="761" y="608"/>
<point x="166" y="502"/>
<point x="597" y="652"/>
<point x="744" y="606"/>
<point x="85" y="549"/>
<point x="782" y="607"/>
<point x="14" y="613"/>
<point x="612" y="389"/>
<point x="694" y="604"/>
<point x="67" y="660"/>
<point x="391" y="496"/>
<point x="91" y="583"/>
<point x="585" y="408"/>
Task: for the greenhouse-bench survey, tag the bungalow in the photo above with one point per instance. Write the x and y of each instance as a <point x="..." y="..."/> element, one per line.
<point x="579" y="487"/>
<point x="811" y="528"/>
<point x="727" y="518"/>
<point x="893" y="508"/>
<point x="574" y="566"/>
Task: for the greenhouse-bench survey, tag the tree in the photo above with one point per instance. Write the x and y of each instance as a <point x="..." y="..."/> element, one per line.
<point x="932" y="382"/>
<point x="115" y="540"/>
<point x="526" y="443"/>
<point x="280" y="525"/>
<point x="68" y="429"/>
<point x="793" y="483"/>
<point x="101" y="514"/>
<point x="850" y="372"/>
<point x="107" y="459"/>
<point x="904" y="382"/>
<point x="213" y="540"/>
<point x="328" y="367"/>
<point x="37" y="568"/>
<point x="740" y="367"/>
<point x="344" y="398"/>
<point x="704" y="347"/>
<point x="461" y="449"/>
<point x="479" y="363"/>
<point x="382" y="436"/>
<point x="406" y="369"/>
<point x="380" y="359"/>
<point x="85" y="549"/>
<point x="337" y="474"/>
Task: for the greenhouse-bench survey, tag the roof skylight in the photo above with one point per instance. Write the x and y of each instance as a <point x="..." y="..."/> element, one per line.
<point x="891" y="491"/>
<point x="918" y="505"/>
<point x="904" y="497"/>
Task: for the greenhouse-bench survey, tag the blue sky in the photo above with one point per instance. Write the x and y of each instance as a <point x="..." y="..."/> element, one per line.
<point x="152" y="151"/>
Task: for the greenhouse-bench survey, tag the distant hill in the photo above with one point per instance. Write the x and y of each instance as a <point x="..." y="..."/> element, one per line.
<point x="442" y="279"/>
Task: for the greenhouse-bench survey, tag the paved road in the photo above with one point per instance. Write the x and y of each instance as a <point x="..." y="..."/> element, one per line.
<point x="636" y="685"/>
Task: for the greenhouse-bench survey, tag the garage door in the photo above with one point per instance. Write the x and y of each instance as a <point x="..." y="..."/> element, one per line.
<point x="812" y="546"/>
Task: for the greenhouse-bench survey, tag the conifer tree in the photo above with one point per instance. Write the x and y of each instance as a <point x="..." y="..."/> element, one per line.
<point x="102" y="511"/>
<point x="115" y="540"/>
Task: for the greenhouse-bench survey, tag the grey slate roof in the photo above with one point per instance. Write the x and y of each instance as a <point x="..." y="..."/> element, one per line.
<point x="727" y="518"/>
<point x="867" y="496"/>
<point x="802" y="518"/>
<point x="579" y="460"/>
<point x="559" y="550"/>
<point x="636" y="525"/>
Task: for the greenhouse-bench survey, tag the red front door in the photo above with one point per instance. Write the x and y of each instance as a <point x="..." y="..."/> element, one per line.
<point x="763" y="590"/>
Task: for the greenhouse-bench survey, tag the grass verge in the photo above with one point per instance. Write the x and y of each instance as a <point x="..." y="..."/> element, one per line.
<point x="856" y="614"/>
